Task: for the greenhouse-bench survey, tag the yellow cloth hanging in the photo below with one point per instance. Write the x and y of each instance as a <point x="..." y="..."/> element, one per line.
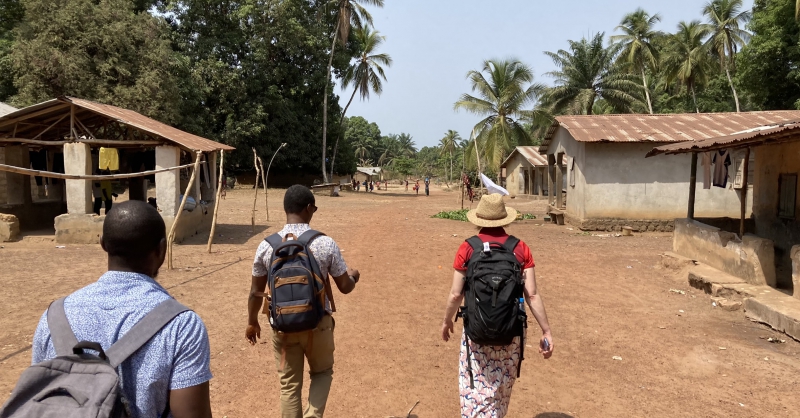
<point x="109" y="159"/>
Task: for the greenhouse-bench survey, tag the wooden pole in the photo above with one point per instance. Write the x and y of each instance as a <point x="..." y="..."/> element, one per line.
<point x="171" y="236"/>
<point x="745" y="167"/>
<point x="266" y="191"/>
<point x="692" y="186"/>
<point x="48" y="174"/>
<point x="255" y="197"/>
<point x="108" y="142"/>
<point x="217" y="201"/>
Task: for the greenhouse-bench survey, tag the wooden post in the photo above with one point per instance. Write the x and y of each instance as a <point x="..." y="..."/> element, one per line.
<point x="255" y="197"/>
<point x="559" y="181"/>
<point x="264" y="182"/>
<point x="72" y="122"/>
<point x="745" y="168"/>
<point x="217" y="200"/>
<point x="692" y="186"/>
<point x="171" y="236"/>
<point x="551" y="179"/>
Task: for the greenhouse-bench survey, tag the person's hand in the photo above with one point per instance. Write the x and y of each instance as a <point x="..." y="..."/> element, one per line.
<point x="549" y="352"/>
<point x="447" y="328"/>
<point x="355" y="273"/>
<point x="253" y="333"/>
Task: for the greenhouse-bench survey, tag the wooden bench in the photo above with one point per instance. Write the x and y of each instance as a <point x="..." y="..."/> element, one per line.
<point x="556" y="216"/>
<point x="324" y="189"/>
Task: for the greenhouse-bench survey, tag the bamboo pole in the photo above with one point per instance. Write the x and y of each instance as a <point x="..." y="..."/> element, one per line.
<point x="255" y="197"/>
<point x="109" y="142"/>
<point x="171" y="236"/>
<point x="264" y="182"/>
<point x="217" y="200"/>
<point x="48" y="174"/>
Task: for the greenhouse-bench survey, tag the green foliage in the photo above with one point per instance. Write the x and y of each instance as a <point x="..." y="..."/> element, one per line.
<point x="638" y="51"/>
<point x="768" y="64"/>
<point x="363" y="136"/>
<point x="98" y="50"/>
<point x="404" y="166"/>
<point x="11" y="13"/>
<point x="455" y="215"/>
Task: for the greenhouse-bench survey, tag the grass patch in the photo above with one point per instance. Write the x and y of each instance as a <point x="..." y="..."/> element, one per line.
<point x="455" y="215"/>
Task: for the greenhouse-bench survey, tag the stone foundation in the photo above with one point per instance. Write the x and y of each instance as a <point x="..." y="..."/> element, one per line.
<point x="616" y="225"/>
<point x="9" y="228"/>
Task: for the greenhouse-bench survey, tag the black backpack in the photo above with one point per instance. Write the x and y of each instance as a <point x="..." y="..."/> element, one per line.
<point x="297" y="290"/>
<point x="492" y="311"/>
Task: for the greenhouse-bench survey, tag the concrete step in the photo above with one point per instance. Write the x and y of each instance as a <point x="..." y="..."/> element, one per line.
<point x="39" y="238"/>
<point x="781" y="312"/>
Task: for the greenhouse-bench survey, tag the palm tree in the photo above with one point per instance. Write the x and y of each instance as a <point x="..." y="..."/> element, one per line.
<point x="724" y="18"/>
<point x="501" y="100"/>
<point x="365" y="73"/>
<point x="364" y="146"/>
<point x="349" y="13"/>
<point x="448" y="145"/>
<point x="391" y="150"/>
<point x="586" y="73"/>
<point x="686" y="58"/>
<point x="407" y="147"/>
<point x="637" y="50"/>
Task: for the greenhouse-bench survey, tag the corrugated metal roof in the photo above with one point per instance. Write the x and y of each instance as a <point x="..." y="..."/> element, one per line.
<point x="370" y="171"/>
<point x="662" y="128"/>
<point x="530" y="153"/>
<point x="52" y="108"/>
<point x="6" y="109"/>
<point x="769" y="134"/>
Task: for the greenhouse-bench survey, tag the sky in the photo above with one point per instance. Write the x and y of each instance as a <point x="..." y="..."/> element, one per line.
<point x="434" y="43"/>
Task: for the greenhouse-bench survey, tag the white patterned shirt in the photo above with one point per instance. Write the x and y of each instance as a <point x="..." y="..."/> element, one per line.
<point x="324" y="249"/>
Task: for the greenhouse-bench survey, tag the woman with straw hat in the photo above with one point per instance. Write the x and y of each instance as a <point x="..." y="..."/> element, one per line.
<point x="486" y="372"/>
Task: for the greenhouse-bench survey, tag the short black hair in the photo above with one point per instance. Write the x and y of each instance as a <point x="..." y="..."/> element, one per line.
<point x="133" y="230"/>
<point x="297" y="198"/>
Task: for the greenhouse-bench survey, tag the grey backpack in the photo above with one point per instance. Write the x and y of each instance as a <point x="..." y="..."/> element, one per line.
<point x="80" y="385"/>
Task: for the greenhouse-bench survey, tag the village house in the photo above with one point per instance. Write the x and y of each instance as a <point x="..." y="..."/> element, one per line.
<point x="599" y="161"/>
<point x="65" y="136"/>
<point x="524" y="172"/>
<point x="368" y="174"/>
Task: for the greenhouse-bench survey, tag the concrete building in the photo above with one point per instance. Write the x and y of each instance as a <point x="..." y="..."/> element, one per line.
<point x="524" y="172"/>
<point x="63" y="136"/>
<point x="599" y="161"/>
<point x="368" y="174"/>
<point x="4" y="110"/>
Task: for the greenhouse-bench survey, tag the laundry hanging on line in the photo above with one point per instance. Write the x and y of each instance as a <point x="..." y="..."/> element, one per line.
<point x="721" y="159"/>
<point x="109" y="159"/>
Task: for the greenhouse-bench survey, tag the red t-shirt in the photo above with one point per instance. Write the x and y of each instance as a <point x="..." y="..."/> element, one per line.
<point x="499" y="235"/>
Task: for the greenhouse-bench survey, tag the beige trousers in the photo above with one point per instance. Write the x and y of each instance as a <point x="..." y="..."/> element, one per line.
<point x="290" y="351"/>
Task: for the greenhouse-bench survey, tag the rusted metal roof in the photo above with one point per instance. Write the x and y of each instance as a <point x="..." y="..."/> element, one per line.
<point x="52" y="109"/>
<point x="765" y="135"/>
<point x="662" y="128"/>
<point x="529" y="153"/>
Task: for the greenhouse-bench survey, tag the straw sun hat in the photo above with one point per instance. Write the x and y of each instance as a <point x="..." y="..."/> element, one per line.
<point x="492" y="212"/>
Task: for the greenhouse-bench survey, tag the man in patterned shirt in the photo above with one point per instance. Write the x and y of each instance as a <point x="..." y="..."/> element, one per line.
<point x="170" y="373"/>
<point x="316" y="346"/>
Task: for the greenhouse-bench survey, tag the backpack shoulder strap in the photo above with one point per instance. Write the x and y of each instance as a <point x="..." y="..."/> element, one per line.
<point x="309" y="236"/>
<point x="60" y="331"/>
<point x="274" y="241"/>
<point x="476" y="243"/>
<point x="511" y="243"/>
<point x="144" y="330"/>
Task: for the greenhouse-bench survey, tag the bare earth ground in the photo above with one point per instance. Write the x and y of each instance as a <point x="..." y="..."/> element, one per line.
<point x="605" y="297"/>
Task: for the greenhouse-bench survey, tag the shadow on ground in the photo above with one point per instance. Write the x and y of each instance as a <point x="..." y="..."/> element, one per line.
<point x="229" y="234"/>
<point x="553" y="415"/>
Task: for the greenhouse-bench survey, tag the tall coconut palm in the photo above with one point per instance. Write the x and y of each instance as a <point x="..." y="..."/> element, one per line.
<point x="724" y="19"/>
<point x="349" y="13"/>
<point x="687" y="59"/>
<point x="448" y="145"/>
<point x="502" y="100"/>
<point x="406" y="145"/>
<point x="391" y="150"/>
<point x="586" y="73"/>
<point x="637" y="50"/>
<point x="365" y="73"/>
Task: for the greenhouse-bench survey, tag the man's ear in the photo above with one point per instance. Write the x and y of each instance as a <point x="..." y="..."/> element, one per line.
<point x="162" y="251"/>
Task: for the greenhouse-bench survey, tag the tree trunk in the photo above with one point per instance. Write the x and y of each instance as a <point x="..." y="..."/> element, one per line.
<point x="647" y="92"/>
<point x="733" y="89"/>
<point x="325" y="105"/>
<point x="341" y="120"/>
<point x="694" y="97"/>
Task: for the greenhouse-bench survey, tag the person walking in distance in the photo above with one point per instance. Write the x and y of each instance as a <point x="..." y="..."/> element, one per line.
<point x="495" y="277"/>
<point x="300" y="302"/>
<point x="167" y="376"/>
<point x="427" y="186"/>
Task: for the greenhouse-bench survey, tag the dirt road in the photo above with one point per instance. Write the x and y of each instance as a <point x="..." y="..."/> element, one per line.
<point x="604" y="295"/>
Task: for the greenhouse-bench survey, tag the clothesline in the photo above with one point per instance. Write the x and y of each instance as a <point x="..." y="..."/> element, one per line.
<point x="49" y="174"/>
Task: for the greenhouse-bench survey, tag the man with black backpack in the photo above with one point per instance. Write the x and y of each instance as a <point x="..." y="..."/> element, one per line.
<point x="494" y="276"/>
<point x="122" y="346"/>
<point x="290" y="280"/>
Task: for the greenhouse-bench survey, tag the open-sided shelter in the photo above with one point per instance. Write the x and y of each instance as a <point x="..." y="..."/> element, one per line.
<point x="610" y="184"/>
<point x="63" y="135"/>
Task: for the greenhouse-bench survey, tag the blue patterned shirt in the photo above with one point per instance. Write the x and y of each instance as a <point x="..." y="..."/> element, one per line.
<point x="176" y="358"/>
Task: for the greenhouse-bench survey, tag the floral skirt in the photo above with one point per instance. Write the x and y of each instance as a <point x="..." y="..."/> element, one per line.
<point x="494" y="370"/>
